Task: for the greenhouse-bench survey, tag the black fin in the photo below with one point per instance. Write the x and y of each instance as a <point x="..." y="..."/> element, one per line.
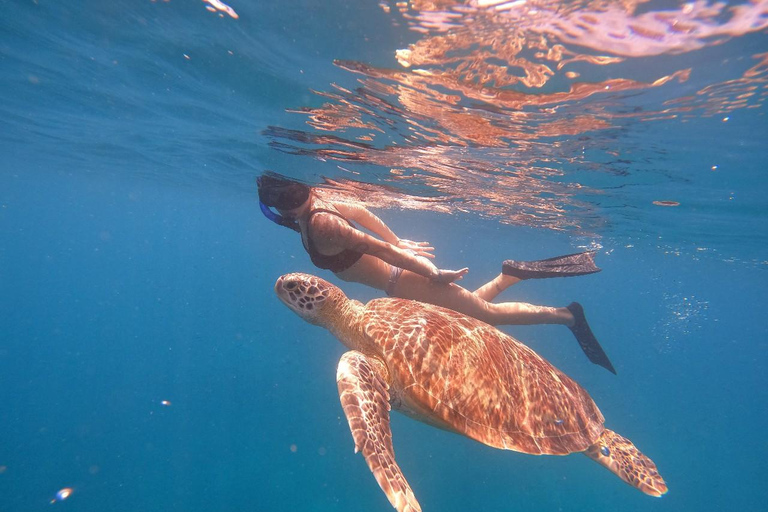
<point x="587" y="340"/>
<point x="570" y="265"/>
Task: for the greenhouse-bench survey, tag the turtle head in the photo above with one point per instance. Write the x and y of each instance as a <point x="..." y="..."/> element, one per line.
<point x="315" y="300"/>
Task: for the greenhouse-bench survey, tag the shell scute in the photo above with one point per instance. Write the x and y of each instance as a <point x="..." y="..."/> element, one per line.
<point x="477" y="381"/>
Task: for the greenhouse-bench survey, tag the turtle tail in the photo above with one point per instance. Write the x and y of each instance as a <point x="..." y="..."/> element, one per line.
<point x="619" y="455"/>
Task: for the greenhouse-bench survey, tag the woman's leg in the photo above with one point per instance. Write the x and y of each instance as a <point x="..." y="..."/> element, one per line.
<point x="452" y="296"/>
<point x="495" y="286"/>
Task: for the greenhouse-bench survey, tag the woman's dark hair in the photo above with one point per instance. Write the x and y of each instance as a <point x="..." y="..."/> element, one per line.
<point x="281" y="193"/>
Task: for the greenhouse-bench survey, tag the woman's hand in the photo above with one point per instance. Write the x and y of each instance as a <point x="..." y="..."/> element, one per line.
<point x="416" y="248"/>
<point x="437" y="275"/>
<point x="448" y="276"/>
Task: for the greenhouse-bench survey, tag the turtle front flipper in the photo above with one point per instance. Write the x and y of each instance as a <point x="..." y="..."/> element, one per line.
<point x="619" y="455"/>
<point x="365" y="399"/>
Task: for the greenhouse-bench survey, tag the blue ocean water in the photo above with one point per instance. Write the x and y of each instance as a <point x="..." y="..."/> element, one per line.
<point x="144" y="360"/>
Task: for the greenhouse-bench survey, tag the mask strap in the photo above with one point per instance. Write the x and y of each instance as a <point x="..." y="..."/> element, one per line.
<point x="278" y="219"/>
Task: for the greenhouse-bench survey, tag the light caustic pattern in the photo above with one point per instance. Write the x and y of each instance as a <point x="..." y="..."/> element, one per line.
<point x="496" y="103"/>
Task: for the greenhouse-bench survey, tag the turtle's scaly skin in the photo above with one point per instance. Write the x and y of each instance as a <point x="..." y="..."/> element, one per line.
<point x="620" y="456"/>
<point x="459" y="374"/>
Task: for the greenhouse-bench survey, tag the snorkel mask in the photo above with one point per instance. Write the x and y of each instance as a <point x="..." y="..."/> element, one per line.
<point x="284" y="194"/>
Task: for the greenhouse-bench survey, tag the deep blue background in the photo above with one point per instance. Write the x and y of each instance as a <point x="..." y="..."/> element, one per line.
<point x="135" y="267"/>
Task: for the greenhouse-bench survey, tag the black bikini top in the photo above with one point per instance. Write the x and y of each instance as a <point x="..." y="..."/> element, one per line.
<point x="337" y="262"/>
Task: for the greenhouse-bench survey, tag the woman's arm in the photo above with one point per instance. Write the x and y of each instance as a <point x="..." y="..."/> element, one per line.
<point x="331" y="230"/>
<point x="374" y="224"/>
<point x="368" y="220"/>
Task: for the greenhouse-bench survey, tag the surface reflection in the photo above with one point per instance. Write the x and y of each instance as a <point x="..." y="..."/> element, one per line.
<point x="499" y="108"/>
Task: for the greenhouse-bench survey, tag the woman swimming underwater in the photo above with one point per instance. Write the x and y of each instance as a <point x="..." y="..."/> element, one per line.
<point x="402" y="268"/>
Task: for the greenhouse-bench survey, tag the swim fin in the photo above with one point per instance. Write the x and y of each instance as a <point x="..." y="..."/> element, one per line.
<point x="570" y="265"/>
<point x="586" y="339"/>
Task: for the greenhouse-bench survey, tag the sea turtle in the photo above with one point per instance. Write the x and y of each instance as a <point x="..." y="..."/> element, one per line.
<point x="459" y="374"/>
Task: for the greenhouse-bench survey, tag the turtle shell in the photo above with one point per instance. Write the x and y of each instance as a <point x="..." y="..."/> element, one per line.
<point x="464" y="375"/>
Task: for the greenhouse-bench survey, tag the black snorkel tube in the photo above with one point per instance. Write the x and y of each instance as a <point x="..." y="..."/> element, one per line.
<point x="279" y="219"/>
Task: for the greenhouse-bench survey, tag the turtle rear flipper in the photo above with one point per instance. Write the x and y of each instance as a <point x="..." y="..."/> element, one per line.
<point x="365" y="400"/>
<point x="619" y="455"/>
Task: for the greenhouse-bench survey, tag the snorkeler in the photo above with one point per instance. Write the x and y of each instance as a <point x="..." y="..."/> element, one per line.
<point x="402" y="268"/>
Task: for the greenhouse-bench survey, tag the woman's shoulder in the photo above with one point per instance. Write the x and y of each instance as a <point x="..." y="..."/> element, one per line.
<point x="322" y="213"/>
<point x="320" y="207"/>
